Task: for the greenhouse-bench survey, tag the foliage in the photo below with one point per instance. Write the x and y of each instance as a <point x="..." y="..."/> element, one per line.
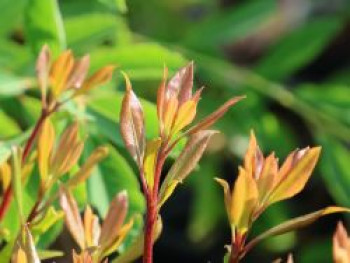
<point x="288" y="57"/>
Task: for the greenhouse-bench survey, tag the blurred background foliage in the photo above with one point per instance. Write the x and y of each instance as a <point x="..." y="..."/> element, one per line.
<point x="290" y="57"/>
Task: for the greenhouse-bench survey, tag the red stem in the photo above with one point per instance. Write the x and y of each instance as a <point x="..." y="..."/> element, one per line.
<point x="152" y="210"/>
<point x="6" y="200"/>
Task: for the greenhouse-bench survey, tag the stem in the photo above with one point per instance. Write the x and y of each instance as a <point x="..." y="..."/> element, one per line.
<point x="150" y="223"/>
<point x="5" y="204"/>
<point x="152" y="209"/>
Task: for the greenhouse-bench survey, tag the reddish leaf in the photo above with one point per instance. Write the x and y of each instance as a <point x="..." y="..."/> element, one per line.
<point x="132" y="124"/>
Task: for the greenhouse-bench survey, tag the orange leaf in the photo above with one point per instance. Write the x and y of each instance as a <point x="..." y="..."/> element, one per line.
<point x="102" y="76"/>
<point x="60" y="72"/>
<point x="244" y="201"/>
<point x="212" y="118"/>
<point x="92" y="228"/>
<point x="185" y="116"/>
<point x="46" y="142"/>
<point x="85" y="170"/>
<point x="114" y="220"/>
<point x="72" y="217"/>
<point x="341" y="245"/>
<point x="294" y="181"/>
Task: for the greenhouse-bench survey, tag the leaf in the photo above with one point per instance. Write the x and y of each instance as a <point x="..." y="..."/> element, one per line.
<point x="17" y="181"/>
<point x="142" y="61"/>
<point x="46" y="141"/>
<point x="296" y="223"/>
<point x="297" y="176"/>
<point x="111" y="176"/>
<point x="114" y="220"/>
<point x="228" y="25"/>
<point x="341" y="245"/>
<point x="43" y="64"/>
<point x="12" y="128"/>
<point x="25" y="248"/>
<point x="132" y="124"/>
<point x="12" y="85"/>
<point x="313" y="37"/>
<point x="51" y="217"/>
<point x="244" y="200"/>
<point x="150" y="161"/>
<point x="185" y="163"/>
<point x="213" y="117"/>
<point x="49" y="254"/>
<point x="181" y="84"/>
<point x="102" y="76"/>
<point x="72" y="217"/>
<point x="43" y="25"/>
<point x="86" y="169"/>
<point x="334" y="169"/>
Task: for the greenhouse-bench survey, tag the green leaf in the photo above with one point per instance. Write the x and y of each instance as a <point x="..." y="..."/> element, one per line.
<point x="11" y="85"/>
<point x="298" y="48"/>
<point x="229" y="25"/>
<point x="327" y="98"/>
<point x="334" y="168"/>
<point x="143" y="61"/>
<point x="43" y="25"/>
<point x="102" y="27"/>
<point x="11" y="128"/>
<point x="206" y="194"/>
<point x="111" y="176"/>
<point x="50" y="218"/>
<point x="49" y="254"/>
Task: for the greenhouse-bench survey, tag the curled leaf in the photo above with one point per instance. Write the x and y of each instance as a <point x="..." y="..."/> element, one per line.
<point x="132" y="124"/>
